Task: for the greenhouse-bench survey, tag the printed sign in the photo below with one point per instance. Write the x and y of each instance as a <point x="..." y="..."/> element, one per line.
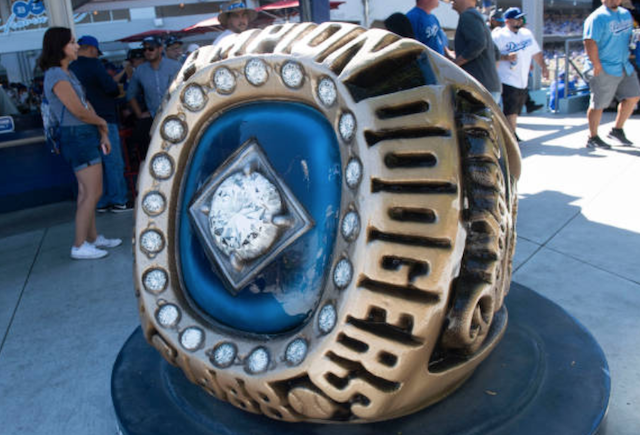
<point x="6" y="124"/>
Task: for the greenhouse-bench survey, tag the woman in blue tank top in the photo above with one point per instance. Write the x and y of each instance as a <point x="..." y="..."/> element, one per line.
<point x="82" y="134"/>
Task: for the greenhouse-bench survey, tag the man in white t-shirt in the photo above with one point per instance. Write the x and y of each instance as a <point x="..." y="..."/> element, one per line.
<point x="517" y="47"/>
<point x="235" y="17"/>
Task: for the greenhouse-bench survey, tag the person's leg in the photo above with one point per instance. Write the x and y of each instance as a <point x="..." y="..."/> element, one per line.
<point x="114" y="185"/>
<point x="625" y="109"/>
<point x="89" y="192"/>
<point x="513" y="121"/>
<point x="594" y="116"/>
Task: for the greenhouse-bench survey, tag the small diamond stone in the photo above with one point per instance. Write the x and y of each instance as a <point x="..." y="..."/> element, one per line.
<point x="161" y="166"/>
<point x="155" y="280"/>
<point x="256" y="72"/>
<point x="224" y="80"/>
<point x="351" y="225"/>
<point x="193" y="97"/>
<point x="153" y="203"/>
<point x="168" y="316"/>
<point x="342" y="273"/>
<point x="174" y="130"/>
<point x="353" y="173"/>
<point x="327" y="318"/>
<point x="292" y="74"/>
<point x="241" y="214"/>
<point x="191" y="338"/>
<point x="347" y="126"/>
<point x="327" y="91"/>
<point x="258" y="361"/>
<point x="224" y="354"/>
<point x="296" y="351"/>
<point x="152" y="241"/>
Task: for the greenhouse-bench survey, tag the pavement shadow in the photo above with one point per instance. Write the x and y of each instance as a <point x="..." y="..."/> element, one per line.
<point x="550" y="220"/>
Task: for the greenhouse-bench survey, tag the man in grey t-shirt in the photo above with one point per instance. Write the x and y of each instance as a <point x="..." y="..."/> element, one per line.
<point x="154" y="77"/>
<point x="474" y="48"/>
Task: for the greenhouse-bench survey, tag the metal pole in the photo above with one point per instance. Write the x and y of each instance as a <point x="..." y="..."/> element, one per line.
<point x="566" y="69"/>
<point x="60" y="13"/>
<point x="557" y="108"/>
<point x="365" y="6"/>
<point x="534" y="10"/>
<point x="305" y="10"/>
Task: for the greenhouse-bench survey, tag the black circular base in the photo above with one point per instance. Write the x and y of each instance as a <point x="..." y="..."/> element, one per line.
<point x="547" y="376"/>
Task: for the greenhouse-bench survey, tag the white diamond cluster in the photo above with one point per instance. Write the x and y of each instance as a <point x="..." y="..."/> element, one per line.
<point x="162" y="166"/>
<point x="153" y="203"/>
<point x="256" y="72"/>
<point x="296" y="351"/>
<point x="193" y="97"/>
<point x="174" y="130"/>
<point x="258" y="361"/>
<point x="327" y="318"/>
<point x="224" y="355"/>
<point x="343" y="273"/>
<point x="327" y="92"/>
<point x="347" y="126"/>
<point x="292" y="74"/>
<point x="224" y="80"/>
<point x="191" y="338"/>
<point x="353" y="173"/>
<point x="241" y="213"/>
<point x="152" y="241"/>
<point x="351" y="226"/>
<point x="155" y="280"/>
<point x="168" y="316"/>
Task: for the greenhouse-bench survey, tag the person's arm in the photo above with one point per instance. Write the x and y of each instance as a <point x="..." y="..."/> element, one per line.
<point x="67" y="95"/>
<point x="594" y="56"/>
<point x="540" y="61"/>
<point x="106" y="82"/>
<point x="474" y="36"/>
<point x="132" y="93"/>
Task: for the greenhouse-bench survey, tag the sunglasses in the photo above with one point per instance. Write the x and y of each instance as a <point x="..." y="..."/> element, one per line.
<point x="150" y="48"/>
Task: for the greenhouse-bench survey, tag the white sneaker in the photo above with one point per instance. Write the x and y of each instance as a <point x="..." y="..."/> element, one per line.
<point x="102" y="242"/>
<point x="87" y="251"/>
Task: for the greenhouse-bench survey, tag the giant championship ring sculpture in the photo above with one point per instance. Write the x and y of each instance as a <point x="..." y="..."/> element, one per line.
<point x="325" y="224"/>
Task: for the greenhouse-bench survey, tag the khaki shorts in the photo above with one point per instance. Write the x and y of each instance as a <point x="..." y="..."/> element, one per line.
<point x="605" y="86"/>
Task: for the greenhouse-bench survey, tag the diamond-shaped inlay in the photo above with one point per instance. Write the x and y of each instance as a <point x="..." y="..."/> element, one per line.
<point x="194" y="97"/>
<point x="224" y="80"/>
<point x="256" y="72"/>
<point x="245" y="215"/>
<point x="327" y="91"/>
<point x="292" y="74"/>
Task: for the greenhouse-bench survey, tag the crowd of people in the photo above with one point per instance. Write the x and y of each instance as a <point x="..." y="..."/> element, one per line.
<point x="564" y="24"/>
<point x="94" y="99"/>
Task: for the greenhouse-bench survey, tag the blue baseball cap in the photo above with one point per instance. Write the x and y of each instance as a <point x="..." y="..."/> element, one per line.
<point x="90" y="40"/>
<point x="496" y="15"/>
<point x="513" y="14"/>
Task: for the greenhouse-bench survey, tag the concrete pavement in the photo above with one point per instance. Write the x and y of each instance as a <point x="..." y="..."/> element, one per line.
<point x="62" y="322"/>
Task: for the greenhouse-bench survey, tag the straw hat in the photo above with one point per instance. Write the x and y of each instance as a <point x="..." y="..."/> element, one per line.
<point x="235" y="6"/>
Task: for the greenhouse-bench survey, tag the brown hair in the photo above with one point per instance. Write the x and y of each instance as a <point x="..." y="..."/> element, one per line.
<point x="53" y="43"/>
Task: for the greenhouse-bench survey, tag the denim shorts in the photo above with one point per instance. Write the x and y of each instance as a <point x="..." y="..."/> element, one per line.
<point x="80" y="145"/>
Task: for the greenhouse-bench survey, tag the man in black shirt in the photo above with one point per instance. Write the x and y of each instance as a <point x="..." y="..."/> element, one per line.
<point x="474" y="48"/>
<point x="102" y="91"/>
